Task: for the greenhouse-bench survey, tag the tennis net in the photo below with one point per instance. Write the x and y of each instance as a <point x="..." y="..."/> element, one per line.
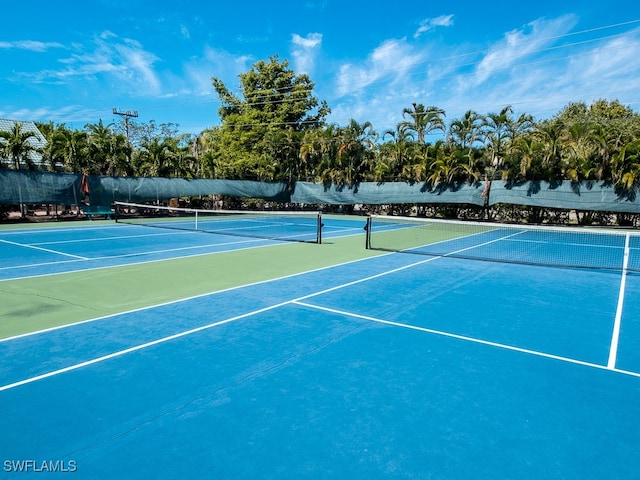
<point x="572" y="247"/>
<point x="275" y="225"/>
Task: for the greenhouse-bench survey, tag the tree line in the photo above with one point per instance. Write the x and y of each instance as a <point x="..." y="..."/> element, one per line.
<point x="276" y="129"/>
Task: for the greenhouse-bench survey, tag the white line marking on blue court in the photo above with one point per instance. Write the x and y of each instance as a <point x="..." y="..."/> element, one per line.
<point x="127" y="255"/>
<point x="464" y="338"/>
<point x="112" y="238"/>
<point x="43" y="249"/>
<point x="136" y="348"/>
<point x="615" y="337"/>
<point x="53" y="230"/>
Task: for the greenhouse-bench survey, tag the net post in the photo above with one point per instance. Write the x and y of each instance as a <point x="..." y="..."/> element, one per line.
<point x="367" y="229"/>
<point x="320" y="225"/>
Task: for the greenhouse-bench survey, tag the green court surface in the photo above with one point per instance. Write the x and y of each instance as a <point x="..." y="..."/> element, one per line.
<point x="32" y="304"/>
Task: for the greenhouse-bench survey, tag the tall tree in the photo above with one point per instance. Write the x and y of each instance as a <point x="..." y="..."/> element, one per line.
<point x="105" y="147"/>
<point x="579" y="138"/>
<point x="274" y="104"/>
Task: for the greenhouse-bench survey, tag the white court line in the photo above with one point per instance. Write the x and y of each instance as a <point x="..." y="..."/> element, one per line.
<point x="55" y="229"/>
<point x="115" y="257"/>
<point x="569" y="244"/>
<point x="136" y="348"/>
<point x="119" y="237"/>
<point x="125" y="255"/>
<point x="43" y="249"/>
<point x="615" y="337"/>
<point x="467" y="339"/>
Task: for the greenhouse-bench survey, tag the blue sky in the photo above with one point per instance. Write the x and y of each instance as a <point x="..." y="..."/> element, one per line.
<point x="72" y="62"/>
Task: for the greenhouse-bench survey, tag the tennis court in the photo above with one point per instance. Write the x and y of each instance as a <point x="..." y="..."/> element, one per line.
<point x="199" y="355"/>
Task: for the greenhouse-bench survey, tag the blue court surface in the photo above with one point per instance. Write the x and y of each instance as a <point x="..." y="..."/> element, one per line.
<point x="396" y="366"/>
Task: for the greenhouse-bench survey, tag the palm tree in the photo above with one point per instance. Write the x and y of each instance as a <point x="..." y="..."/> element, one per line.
<point x="110" y="152"/>
<point x="17" y="146"/>
<point x="550" y="135"/>
<point x="579" y="140"/>
<point x="497" y="131"/>
<point x="49" y="157"/>
<point x="423" y="120"/>
<point x="282" y="147"/>
<point x="527" y="151"/>
<point x="319" y="152"/>
<point x="444" y="170"/>
<point x="396" y="154"/>
<point x="120" y="158"/>
<point x="464" y="133"/>
<point x="626" y="166"/>
<point x="72" y="148"/>
<point x="355" y="152"/>
<point x="602" y="152"/>
<point x="501" y="130"/>
<point x="156" y="157"/>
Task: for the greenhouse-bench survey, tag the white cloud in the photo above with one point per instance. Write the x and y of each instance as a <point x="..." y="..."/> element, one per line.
<point x="431" y="23"/>
<point x="310" y="41"/>
<point x="31" y="45"/>
<point x="75" y="116"/>
<point x="124" y="62"/>
<point x="304" y="51"/>
<point x="388" y="62"/>
<point x="522" y="43"/>
<point x="538" y="69"/>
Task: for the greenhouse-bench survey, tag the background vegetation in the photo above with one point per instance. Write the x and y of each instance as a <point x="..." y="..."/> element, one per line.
<point x="275" y="129"/>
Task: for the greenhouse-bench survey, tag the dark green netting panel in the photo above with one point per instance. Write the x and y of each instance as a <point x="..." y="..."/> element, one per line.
<point x="587" y="195"/>
<point x="36" y="187"/>
<point x="105" y="190"/>
<point x="33" y="187"/>
<point x="372" y="193"/>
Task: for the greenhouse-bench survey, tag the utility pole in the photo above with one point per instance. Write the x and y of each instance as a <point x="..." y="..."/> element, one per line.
<point x="126" y="115"/>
